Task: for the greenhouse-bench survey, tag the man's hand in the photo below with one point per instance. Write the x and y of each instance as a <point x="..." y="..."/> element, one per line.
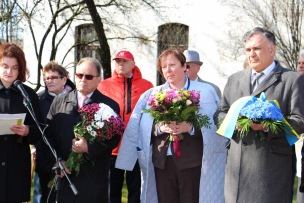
<point x="79" y="145"/>
<point x="256" y="126"/>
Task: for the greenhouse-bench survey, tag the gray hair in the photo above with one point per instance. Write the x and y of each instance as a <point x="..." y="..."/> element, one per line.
<point x="97" y="64"/>
<point x="301" y="54"/>
<point x="269" y="35"/>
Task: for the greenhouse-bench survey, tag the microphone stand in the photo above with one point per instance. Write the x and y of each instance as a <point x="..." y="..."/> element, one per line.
<point x="59" y="166"/>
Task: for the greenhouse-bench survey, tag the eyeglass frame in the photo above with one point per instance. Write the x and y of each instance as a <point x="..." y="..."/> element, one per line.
<point x="87" y="77"/>
<point x="54" y="77"/>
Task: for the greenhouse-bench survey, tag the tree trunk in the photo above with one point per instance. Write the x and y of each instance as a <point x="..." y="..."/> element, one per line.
<point x="104" y="46"/>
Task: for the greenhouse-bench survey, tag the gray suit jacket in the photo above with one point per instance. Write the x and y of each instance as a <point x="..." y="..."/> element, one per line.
<point x="255" y="171"/>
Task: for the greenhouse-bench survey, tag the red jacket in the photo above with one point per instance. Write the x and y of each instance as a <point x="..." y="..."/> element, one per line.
<point x="126" y="92"/>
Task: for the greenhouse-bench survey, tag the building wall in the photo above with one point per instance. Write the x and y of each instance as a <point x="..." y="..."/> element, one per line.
<point x="207" y="30"/>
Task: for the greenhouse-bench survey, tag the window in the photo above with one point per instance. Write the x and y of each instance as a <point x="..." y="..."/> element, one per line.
<point x="171" y="35"/>
<point x="87" y="42"/>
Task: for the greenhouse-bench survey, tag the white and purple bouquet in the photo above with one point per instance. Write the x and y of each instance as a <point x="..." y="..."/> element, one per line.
<point x="99" y="123"/>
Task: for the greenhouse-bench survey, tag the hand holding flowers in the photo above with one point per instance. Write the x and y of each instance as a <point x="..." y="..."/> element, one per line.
<point x="173" y="107"/>
<point x="260" y="114"/>
<point x="99" y="124"/>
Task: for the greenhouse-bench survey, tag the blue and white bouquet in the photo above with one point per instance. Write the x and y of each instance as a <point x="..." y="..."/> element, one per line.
<point x="258" y="110"/>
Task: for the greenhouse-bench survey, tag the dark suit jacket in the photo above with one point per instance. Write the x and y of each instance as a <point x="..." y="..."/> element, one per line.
<point x="92" y="181"/>
<point x="191" y="149"/>
<point x="262" y="171"/>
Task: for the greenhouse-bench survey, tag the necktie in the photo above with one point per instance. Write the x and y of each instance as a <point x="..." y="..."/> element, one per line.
<point x="83" y="101"/>
<point x="255" y="83"/>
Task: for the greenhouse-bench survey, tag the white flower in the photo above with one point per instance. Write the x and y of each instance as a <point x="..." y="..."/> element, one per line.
<point x="93" y="133"/>
<point x="174" y="100"/>
<point x="99" y="124"/>
<point x="105" y="112"/>
<point x="188" y="102"/>
<point x="89" y="128"/>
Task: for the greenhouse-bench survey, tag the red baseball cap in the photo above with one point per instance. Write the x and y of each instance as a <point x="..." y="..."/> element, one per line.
<point x="124" y="55"/>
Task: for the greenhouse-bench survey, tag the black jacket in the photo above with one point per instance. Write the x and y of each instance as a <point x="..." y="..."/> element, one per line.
<point x="92" y="181"/>
<point x="15" y="156"/>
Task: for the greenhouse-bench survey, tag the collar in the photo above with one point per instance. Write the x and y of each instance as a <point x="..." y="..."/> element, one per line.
<point x="267" y="70"/>
<point x="79" y="97"/>
<point x="186" y="86"/>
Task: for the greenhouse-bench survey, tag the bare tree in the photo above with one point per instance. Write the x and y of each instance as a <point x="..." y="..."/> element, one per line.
<point x="126" y="10"/>
<point x="50" y="22"/>
<point x="283" y="18"/>
<point x="57" y="23"/>
<point x="10" y="29"/>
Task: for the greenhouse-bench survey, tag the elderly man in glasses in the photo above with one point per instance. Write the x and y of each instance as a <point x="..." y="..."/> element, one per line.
<point x="193" y="65"/>
<point x="92" y="180"/>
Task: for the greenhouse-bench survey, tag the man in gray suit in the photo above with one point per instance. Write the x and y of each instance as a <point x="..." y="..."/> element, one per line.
<point x="193" y="67"/>
<point x="255" y="171"/>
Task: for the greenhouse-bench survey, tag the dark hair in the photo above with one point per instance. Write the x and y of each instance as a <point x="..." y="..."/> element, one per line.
<point x="55" y="67"/>
<point x="175" y="52"/>
<point x="94" y="61"/>
<point x="269" y="35"/>
<point x="13" y="51"/>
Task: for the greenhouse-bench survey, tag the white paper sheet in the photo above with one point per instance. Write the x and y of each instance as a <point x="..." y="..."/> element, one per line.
<point x="7" y="120"/>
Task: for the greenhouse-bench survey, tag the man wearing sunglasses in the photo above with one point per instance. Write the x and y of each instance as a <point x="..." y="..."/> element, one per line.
<point x="92" y="180"/>
<point x="193" y="65"/>
<point x="125" y="87"/>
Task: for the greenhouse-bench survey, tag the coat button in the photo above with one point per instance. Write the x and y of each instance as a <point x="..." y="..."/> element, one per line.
<point x="244" y="144"/>
<point x="3" y="163"/>
<point x="5" y="138"/>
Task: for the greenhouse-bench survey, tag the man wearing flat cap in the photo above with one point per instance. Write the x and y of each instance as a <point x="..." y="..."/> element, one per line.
<point x="125" y="87"/>
<point x="193" y="67"/>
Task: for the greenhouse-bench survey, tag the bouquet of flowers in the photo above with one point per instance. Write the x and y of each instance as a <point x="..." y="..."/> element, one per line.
<point x="99" y="123"/>
<point x="263" y="112"/>
<point x="177" y="105"/>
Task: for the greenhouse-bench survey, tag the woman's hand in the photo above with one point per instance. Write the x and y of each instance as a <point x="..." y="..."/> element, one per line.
<point x="174" y="128"/>
<point x="22" y="130"/>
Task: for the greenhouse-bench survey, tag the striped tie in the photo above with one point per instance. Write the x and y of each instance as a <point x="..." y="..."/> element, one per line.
<point x="255" y="83"/>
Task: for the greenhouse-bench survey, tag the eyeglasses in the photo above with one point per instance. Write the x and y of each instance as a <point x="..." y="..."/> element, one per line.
<point x="52" y="78"/>
<point x="87" y="77"/>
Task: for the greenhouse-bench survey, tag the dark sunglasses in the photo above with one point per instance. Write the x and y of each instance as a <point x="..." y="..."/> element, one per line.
<point x="87" y="77"/>
<point x="52" y="78"/>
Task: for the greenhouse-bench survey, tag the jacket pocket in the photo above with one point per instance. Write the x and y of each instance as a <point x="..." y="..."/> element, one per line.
<point x="279" y="146"/>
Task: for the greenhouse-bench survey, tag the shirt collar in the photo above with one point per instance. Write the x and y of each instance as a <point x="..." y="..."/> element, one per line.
<point x="267" y="70"/>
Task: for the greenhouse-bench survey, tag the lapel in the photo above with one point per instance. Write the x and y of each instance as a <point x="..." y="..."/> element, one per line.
<point x="95" y="98"/>
<point x="244" y="84"/>
<point x="274" y="76"/>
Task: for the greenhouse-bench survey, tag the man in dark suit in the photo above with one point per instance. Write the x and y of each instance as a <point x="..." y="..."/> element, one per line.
<point x="92" y="180"/>
<point x="255" y="171"/>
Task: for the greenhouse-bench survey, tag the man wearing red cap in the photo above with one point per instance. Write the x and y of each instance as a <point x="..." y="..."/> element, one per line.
<point x="125" y="87"/>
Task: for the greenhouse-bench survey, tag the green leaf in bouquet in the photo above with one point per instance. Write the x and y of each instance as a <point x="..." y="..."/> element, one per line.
<point x="187" y="112"/>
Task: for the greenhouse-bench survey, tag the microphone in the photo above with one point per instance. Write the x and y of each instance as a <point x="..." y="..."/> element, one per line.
<point x="18" y="84"/>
